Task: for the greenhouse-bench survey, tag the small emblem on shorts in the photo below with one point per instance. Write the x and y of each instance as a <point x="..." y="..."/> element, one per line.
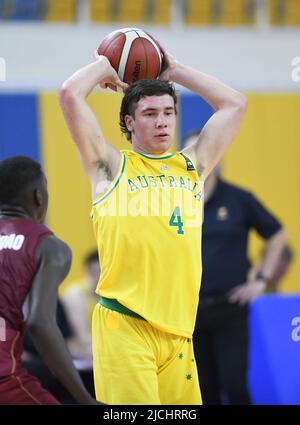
<point x="188" y="377"/>
<point x="180" y="356"/>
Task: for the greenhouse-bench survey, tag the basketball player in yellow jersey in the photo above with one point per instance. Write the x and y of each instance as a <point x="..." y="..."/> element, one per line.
<point x="147" y="214"/>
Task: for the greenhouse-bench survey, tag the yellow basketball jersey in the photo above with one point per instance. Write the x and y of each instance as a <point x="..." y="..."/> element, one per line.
<point x="148" y="229"/>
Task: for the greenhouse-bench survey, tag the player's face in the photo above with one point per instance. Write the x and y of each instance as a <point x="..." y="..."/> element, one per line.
<point x="152" y="128"/>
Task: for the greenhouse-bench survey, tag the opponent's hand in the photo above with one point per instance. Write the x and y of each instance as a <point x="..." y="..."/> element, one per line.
<point x="110" y="78"/>
<point x="245" y="293"/>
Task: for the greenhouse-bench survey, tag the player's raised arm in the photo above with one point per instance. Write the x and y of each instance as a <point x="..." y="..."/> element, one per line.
<point x="99" y="158"/>
<point x="229" y="106"/>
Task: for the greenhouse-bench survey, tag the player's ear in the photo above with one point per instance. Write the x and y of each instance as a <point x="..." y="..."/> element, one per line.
<point x="38" y="197"/>
<point x="129" y="122"/>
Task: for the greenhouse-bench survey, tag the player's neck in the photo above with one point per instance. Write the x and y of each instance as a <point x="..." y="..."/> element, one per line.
<point x="13" y="212"/>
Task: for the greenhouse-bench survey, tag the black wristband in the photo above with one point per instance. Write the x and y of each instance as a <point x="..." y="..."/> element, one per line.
<point x="260" y="276"/>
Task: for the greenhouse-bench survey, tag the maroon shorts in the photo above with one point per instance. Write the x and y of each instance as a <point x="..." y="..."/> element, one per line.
<point x="17" y="386"/>
<point x="23" y="388"/>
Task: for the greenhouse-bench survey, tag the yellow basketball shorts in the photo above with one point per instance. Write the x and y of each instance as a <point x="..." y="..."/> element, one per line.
<point x="135" y="363"/>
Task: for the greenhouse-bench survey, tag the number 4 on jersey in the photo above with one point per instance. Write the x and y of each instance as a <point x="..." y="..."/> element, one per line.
<point x="176" y="221"/>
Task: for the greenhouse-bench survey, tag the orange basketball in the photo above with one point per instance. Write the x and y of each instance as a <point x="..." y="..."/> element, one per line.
<point x="133" y="53"/>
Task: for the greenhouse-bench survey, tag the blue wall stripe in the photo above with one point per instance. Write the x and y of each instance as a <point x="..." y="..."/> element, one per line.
<point x="19" y="126"/>
<point x="193" y="114"/>
<point x="19" y="122"/>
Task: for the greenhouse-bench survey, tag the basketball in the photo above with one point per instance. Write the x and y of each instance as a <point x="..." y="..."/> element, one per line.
<point x="133" y="53"/>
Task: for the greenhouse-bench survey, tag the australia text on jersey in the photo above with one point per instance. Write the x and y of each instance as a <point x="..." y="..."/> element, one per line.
<point x="153" y="196"/>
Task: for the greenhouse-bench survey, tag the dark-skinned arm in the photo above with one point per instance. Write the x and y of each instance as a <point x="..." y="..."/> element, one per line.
<point x="54" y="261"/>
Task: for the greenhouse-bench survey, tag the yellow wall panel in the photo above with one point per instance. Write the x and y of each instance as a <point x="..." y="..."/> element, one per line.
<point x="238" y="12"/>
<point x="106" y="106"/>
<point x="220" y="12"/>
<point x="198" y="12"/>
<point x="61" y="11"/>
<point x="284" y="12"/>
<point x="161" y="12"/>
<point x="100" y="10"/>
<point x="130" y="11"/>
<point x="265" y="158"/>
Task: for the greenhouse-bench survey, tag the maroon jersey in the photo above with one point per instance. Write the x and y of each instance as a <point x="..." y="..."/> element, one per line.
<point x="18" y="242"/>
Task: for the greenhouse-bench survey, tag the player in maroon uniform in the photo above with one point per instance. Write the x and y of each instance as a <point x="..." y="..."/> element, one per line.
<point x="33" y="262"/>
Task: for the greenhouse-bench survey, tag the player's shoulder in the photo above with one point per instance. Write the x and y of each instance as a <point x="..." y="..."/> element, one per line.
<point x="54" y="249"/>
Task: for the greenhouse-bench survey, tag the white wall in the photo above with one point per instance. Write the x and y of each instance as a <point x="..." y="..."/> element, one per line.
<point x="43" y="55"/>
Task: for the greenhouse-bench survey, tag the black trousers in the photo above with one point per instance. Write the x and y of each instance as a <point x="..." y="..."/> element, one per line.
<point x="221" y="350"/>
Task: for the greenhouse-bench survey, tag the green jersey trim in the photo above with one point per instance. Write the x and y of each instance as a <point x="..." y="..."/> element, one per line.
<point x="154" y="156"/>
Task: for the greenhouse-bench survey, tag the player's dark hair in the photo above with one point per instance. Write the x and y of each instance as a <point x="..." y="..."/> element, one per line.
<point x="137" y="91"/>
<point x="91" y="257"/>
<point x="17" y="174"/>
